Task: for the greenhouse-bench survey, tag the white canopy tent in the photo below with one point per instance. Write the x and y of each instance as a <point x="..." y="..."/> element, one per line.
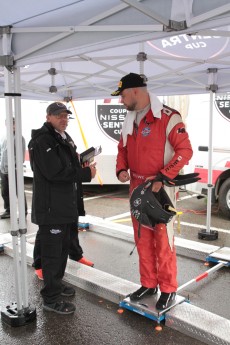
<point x="84" y="47"/>
<point x="91" y="44"/>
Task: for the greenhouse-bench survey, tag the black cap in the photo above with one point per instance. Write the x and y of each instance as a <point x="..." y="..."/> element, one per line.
<point x="128" y="81"/>
<point x="57" y="108"/>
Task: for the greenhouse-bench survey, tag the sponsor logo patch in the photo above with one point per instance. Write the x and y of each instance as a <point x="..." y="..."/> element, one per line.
<point x="137" y="202"/>
<point x="55" y="231"/>
<point x="146" y="131"/>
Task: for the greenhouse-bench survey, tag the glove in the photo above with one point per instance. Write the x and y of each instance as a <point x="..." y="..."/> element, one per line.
<point x="179" y="180"/>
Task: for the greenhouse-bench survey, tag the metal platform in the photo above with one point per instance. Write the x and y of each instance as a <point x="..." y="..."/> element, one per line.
<point x="222" y="254"/>
<point x="199" y="324"/>
<point x="147" y="306"/>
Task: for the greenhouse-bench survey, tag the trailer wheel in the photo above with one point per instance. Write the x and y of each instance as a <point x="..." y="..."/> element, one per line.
<point x="224" y="198"/>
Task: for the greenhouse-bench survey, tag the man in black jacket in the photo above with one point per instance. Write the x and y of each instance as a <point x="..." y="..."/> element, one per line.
<point x="57" y="177"/>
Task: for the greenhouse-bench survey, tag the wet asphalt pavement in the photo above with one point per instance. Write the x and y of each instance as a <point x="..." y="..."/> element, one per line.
<point x="97" y="321"/>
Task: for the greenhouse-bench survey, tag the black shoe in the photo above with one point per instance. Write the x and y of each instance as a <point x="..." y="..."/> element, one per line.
<point x="68" y="291"/>
<point x="5" y="215"/>
<point x="142" y="292"/>
<point x="165" y="300"/>
<point x="60" y="307"/>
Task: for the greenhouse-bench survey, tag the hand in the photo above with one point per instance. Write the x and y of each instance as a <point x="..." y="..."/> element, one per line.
<point x="156" y="186"/>
<point x="123" y="176"/>
<point x="93" y="169"/>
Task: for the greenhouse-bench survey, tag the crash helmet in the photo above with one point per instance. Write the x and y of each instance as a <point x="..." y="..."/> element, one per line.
<point x="151" y="208"/>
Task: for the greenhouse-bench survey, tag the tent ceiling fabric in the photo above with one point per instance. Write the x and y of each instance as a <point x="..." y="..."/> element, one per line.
<point x="92" y="44"/>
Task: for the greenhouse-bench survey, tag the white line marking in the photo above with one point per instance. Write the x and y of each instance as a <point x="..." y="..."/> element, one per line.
<point x="85" y="198"/>
<point x="203" y="227"/>
<point x="187" y="197"/>
<point x="119" y="216"/>
<point x="98" y="197"/>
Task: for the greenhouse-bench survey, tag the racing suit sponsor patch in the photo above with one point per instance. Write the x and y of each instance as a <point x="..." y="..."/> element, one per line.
<point x="181" y="130"/>
<point x="146" y="131"/>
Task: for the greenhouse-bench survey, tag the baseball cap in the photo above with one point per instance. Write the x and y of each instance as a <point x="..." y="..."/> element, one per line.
<point x="128" y="81"/>
<point x="57" y="108"/>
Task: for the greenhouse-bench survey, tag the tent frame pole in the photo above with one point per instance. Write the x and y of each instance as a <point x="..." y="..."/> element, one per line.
<point x="19" y="313"/>
<point x="20" y="186"/>
<point x="208" y="234"/>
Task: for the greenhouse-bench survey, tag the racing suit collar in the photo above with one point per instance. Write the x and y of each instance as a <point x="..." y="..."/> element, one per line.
<point x="127" y="128"/>
<point x="156" y="105"/>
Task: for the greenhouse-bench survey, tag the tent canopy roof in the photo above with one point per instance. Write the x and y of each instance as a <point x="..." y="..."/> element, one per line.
<point x="88" y="45"/>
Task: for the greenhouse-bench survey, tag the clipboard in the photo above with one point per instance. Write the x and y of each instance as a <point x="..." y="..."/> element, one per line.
<point x="89" y="154"/>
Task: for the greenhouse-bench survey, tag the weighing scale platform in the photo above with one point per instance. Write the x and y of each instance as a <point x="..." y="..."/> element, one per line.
<point x="83" y="226"/>
<point x="222" y="254"/>
<point x="147" y="306"/>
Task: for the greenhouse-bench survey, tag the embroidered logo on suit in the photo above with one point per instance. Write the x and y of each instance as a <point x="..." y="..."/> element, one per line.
<point x="146" y="131"/>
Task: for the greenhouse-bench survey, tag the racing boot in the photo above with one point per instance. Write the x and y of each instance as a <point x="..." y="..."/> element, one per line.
<point x="166" y="300"/>
<point x="142" y="292"/>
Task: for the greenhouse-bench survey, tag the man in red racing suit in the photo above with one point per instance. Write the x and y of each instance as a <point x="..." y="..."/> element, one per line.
<point x="153" y="142"/>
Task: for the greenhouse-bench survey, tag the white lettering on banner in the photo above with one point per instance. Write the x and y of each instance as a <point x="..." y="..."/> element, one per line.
<point x="112" y="117"/>
<point x="196" y="45"/>
<point x="222" y="97"/>
<point x="112" y="125"/>
<point x="116" y="111"/>
<point x="180" y="39"/>
<point x="224" y="104"/>
<point x="183" y="45"/>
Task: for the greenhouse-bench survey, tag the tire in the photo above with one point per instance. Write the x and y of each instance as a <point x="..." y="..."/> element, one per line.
<point x="224" y="198"/>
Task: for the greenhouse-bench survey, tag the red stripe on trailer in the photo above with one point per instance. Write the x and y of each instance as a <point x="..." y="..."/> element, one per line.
<point x="227" y="165"/>
<point x="201" y="276"/>
<point x="204" y="175"/>
<point x="109" y="100"/>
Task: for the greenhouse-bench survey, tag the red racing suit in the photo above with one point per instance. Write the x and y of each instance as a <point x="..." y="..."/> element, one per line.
<point x="159" y="144"/>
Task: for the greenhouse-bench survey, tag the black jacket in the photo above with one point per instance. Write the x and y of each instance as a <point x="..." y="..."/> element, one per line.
<point x="57" y="191"/>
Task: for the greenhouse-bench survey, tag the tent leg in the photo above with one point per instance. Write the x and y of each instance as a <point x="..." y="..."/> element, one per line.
<point x="208" y="234"/>
<point x="19" y="313"/>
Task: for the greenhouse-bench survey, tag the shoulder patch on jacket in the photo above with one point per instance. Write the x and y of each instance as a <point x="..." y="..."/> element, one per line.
<point x="169" y="111"/>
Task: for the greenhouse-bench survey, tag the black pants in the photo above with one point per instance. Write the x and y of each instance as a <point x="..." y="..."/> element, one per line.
<point x="53" y="242"/>
<point x="75" y="250"/>
<point x="5" y="193"/>
<point x="54" y="246"/>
